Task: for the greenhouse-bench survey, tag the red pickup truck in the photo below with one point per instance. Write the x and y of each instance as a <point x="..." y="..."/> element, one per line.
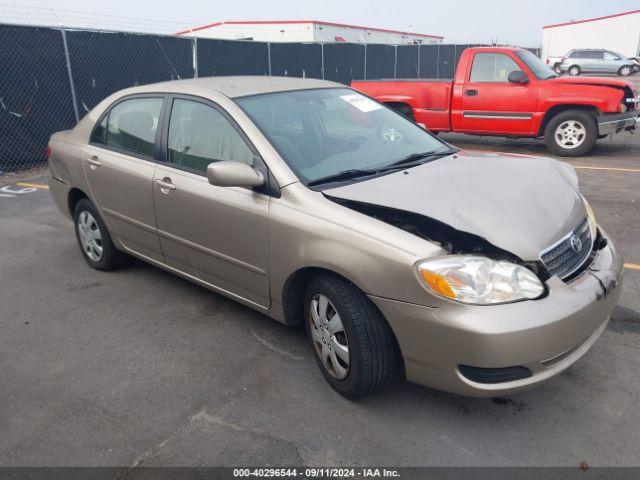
<point x="510" y="92"/>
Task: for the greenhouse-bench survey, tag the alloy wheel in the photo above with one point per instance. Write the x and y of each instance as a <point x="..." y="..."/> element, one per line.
<point x="570" y="134"/>
<point x="329" y="336"/>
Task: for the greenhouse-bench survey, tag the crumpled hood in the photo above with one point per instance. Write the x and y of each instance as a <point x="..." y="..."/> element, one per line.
<point x="518" y="203"/>
<point x="604" y="81"/>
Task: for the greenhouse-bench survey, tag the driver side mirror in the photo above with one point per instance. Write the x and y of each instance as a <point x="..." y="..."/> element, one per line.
<point x="234" y="174"/>
<point x="518" y="77"/>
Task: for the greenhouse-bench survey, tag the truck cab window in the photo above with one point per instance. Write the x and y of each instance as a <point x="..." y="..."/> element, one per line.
<point x="492" y="67"/>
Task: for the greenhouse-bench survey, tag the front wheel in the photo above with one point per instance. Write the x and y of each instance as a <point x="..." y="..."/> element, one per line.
<point x="571" y="133"/>
<point x="351" y="341"/>
<point x="574" y="70"/>
<point x="625" y="71"/>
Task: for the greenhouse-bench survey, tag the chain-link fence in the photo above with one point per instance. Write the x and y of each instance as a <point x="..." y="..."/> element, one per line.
<point x="50" y="77"/>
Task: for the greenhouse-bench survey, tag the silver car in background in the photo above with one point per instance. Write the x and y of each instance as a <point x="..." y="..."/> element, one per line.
<point x="597" y="61"/>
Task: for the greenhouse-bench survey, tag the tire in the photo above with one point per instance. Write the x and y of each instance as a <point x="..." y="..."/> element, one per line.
<point x="405" y="110"/>
<point x="373" y="354"/>
<point x="625" y="70"/>
<point x="574" y="70"/>
<point x="87" y="219"/>
<point x="557" y="69"/>
<point x="565" y="139"/>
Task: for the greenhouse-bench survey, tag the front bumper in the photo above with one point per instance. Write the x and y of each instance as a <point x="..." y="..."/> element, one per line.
<point x="618" y="122"/>
<point x="544" y="336"/>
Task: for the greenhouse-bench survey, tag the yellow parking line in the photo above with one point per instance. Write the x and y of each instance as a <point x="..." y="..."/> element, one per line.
<point x="632" y="266"/>
<point x="613" y="169"/>
<point x="33" y="185"/>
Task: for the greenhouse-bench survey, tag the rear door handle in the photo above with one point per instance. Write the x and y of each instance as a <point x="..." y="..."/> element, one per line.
<point x="471" y="93"/>
<point x="164" y="184"/>
<point x="93" y="162"/>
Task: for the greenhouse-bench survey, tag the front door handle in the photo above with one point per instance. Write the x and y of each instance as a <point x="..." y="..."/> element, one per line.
<point x="164" y="184"/>
<point x="93" y="162"/>
<point x="471" y="93"/>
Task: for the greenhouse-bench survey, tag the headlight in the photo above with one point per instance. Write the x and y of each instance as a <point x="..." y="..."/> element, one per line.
<point x="591" y="218"/>
<point x="478" y="280"/>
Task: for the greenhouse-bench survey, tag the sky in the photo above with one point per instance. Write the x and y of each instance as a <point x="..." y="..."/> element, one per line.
<point x="514" y="22"/>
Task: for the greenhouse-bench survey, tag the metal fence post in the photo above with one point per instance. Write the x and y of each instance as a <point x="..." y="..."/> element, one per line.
<point x="269" y="56"/>
<point x="419" y="75"/>
<point x="395" y="62"/>
<point x="438" y="62"/>
<point x="194" y="51"/>
<point x="70" y="74"/>
<point x="365" y="61"/>
<point x="322" y="58"/>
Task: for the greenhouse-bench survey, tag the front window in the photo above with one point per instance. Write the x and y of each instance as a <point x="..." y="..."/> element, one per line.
<point x="323" y="132"/>
<point x="539" y="69"/>
<point x="199" y="135"/>
<point x="492" y="68"/>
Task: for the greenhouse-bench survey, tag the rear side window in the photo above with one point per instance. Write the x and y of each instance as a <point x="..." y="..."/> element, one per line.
<point x="132" y="125"/>
<point x="199" y="135"/>
<point x="492" y="67"/>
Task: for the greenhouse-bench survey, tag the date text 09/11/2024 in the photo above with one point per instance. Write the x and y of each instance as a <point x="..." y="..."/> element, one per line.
<point x="315" y="473"/>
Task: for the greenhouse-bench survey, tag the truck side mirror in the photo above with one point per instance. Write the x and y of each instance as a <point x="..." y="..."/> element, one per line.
<point x="518" y="77"/>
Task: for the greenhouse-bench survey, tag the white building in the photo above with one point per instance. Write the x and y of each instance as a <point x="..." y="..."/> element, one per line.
<point x="619" y="32"/>
<point x="307" y="31"/>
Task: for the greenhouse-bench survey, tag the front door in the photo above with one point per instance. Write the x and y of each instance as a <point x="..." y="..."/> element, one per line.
<point x="491" y="104"/>
<point x="219" y="235"/>
<point x="119" y="164"/>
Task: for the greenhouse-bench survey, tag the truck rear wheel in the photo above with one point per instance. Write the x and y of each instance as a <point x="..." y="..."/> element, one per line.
<point x="404" y="109"/>
<point x="571" y="133"/>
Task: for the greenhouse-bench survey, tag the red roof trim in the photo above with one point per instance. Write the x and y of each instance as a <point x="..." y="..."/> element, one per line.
<point x="268" y="22"/>
<point x="592" y="19"/>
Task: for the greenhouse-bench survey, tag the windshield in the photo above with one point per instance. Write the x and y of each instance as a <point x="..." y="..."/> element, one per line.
<point x="324" y="132"/>
<point x="537" y="66"/>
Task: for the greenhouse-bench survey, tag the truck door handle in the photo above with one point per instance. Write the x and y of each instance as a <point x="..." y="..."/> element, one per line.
<point x="164" y="184"/>
<point x="93" y="162"/>
<point x="471" y="93"/>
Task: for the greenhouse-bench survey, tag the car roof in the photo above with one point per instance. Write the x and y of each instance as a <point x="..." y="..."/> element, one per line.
<point x="240" y="86"/>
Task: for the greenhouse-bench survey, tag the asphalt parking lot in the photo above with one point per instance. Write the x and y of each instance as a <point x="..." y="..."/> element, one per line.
<point x="139" y="367"/>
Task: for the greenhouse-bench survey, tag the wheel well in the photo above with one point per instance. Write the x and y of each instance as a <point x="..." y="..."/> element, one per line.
<point x="556" y="109"/>
<point x="403" y="108"/>
<point x="75" y="195"/>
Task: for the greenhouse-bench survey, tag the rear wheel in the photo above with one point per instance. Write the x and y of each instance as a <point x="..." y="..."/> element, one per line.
<point x="625" y="70"/>
<point x="404" y="109"/>
<point x="571" y="133"/>
<point x="352" y="342"/>
<point x="574" y="70"/>
<point x="94" y="239"/>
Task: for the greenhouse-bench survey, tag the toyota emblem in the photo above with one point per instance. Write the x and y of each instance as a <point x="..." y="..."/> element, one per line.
<point x="576" y="243"/>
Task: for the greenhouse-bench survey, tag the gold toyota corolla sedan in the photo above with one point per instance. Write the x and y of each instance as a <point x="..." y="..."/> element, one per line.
<point x="475" y="273"/>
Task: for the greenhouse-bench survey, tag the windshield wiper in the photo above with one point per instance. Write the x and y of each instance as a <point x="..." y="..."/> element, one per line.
<point x="413" y="160"/>
<point x="344" y="175"/>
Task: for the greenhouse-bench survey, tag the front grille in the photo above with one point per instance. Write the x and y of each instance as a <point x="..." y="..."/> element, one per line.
<point x="570" y="253"/>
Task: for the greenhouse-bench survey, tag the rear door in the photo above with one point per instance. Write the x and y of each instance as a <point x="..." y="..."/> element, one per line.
<point x="219" y="235"/>
<point x="119" y="164"/>
<point x="490" y="103"/>
<point x="592" y="61"/>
